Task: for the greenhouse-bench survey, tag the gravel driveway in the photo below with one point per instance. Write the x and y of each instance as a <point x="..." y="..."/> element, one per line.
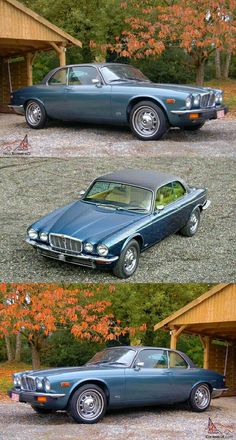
<point x="31" y="187"/>
<point x="19" y="422"/>
<point x="215" y="139"/>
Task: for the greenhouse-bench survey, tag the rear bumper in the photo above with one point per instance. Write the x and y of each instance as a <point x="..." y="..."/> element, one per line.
<point x="217" y="392"/>
<point x="206" y="204"/>
<point x="203" y="114"/>
<point x="18" y="109"/>
<point x="73" y="258"/>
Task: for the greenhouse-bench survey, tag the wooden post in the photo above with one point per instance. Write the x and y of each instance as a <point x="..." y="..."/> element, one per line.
<point x="61" y="51"/>
<point x="174" y="336"/>
<point x="29" y="64"/>
<point x="206" y="345"/>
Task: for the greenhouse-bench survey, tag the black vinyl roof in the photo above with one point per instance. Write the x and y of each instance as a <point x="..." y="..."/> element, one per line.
<point x="149" y="179"/>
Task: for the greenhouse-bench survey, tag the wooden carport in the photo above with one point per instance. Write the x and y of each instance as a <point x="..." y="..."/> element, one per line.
<point x="212" y="317"/>
<point x="22" y="34"/>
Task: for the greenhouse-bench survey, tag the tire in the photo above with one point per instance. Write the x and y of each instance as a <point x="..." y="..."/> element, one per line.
<point x="128" y="261"/>
<point x="194" y="127"/>
<point x="85" y="401"/>
<point x="148" y="121"/>
<point x="192" y="224"/>
<point x="41" y="410"/>
<point x="35" y="115"/>
<point x="200" y="398"/>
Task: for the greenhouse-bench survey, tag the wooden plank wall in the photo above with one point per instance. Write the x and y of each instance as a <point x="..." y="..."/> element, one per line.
<point x="19" y="79"/>
<point x="217" y="363"/>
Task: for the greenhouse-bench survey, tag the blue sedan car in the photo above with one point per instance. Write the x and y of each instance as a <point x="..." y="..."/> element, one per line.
<point x="119" y="377"/>
<point x="118" y="217"/>
<point x="110" y="93"/>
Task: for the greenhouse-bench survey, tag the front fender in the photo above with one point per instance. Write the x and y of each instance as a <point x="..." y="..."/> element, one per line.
<point x="137" y="98"/>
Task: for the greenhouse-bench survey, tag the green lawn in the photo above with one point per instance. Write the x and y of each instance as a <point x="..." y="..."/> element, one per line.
<point x="6" y="371"/>
<point x="229" y="87"/>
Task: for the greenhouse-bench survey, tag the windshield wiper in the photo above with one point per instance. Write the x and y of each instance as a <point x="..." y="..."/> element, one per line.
<point x="105" y="362"/>
<point x="134" y="208"/>
<point x="118" y="79"/>
<point x="107" y="205"/>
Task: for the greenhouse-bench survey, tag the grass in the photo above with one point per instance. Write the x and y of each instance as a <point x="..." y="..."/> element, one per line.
<point x="229" y="87"/>
<point x="6" y="371"/>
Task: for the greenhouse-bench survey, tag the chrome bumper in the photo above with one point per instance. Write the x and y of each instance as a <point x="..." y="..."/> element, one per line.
<point x="199" y="110"/>
<point x="70" y="257"/>
<point x="217" y="392"/>
<point x="206" y="204"/>
<point x="18" y="109"/>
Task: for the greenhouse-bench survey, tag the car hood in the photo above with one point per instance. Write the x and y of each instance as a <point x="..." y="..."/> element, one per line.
<point x="86" y="221"/>
<point x="69" y="370"/>
<point x="165" y="87"/>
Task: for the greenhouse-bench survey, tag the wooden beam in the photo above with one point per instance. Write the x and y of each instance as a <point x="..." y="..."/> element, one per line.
<point x="29" y="63"/>
<point x="206" y="340"/>
<point x="61" y="51"/>
<point x="174" y="336"/>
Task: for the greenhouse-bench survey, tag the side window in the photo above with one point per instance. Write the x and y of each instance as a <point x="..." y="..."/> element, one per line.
<point x="59" y="78"/>
<point x="179" y="190"/>
<point x="165" y="195"/>
<point x="79" y="76"/>
<point x="153" y="358"/>
<point x="176" y="361"/>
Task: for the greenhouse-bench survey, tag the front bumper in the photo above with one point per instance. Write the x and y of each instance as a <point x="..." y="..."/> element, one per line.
<point x="217" y="392"/>
<point x="18" y="109"/>
<point x="31" y="396"/>
<point x="70" y="257"/>
<point x="204" y="114"/>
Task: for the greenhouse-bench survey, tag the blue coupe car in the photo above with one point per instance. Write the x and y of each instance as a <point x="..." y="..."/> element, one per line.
<point x="118" y="217"/>
<point x="110" y="93"/>
<point x="119" y="377"/>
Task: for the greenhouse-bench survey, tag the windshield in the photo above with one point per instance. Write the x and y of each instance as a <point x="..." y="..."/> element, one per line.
<point x="121" y="356"/>
<point x="122" y="72"/>
<point x="120" y="196"/>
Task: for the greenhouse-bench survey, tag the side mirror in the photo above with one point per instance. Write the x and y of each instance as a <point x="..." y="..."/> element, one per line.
<point x="97" y="82"/>
<point x="160" y="207"/>
<point x="81" y="193"/>
<point x="138" y="365"/>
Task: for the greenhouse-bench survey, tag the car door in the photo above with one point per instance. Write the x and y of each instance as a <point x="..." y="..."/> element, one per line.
<point x="86" y="97"/>
<point x="53" y="94"/>
<point x="149" y="380"/>
<point x="182" y="379"/>
<point x="169" y="215"/>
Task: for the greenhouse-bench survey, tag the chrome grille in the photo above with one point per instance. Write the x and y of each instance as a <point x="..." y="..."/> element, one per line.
<point x="28" y="383"/>
<point x="208" y="100"/>
<point x="65" y="243"/>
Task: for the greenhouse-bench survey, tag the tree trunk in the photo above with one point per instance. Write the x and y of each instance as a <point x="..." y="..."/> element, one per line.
<point x="227" y="65"/>
<point x="35" y="357"/>
<point x="200" y="73"/>
<point x="218" y="64"/>
<point x="10" y="356"/>
<point x="18" y="347"/>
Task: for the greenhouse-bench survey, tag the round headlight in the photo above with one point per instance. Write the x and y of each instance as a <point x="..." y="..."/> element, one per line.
<point x="219" y="97"/>
<point x="88" y="247"/>
<point x="188" y="102"/>
<point x="43" y="236"/>
<point x="17" y="381"/>
<point x="196" y="100"/>
<point x="39" y="383"/>
<point x="32" y="234"/>
<point x="47" y="385"/>
<point x="102" y="250"/>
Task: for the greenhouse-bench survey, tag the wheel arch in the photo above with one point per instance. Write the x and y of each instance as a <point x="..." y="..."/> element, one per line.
<point x="100" y="383"/>
<point x="33" y="99"/>
<point x="202" y="382"/>
<point x="136" y="99"/>
<point x="138" y="238"/>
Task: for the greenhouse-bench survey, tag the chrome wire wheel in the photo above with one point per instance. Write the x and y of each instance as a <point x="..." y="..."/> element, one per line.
<point x="33" y="113"/>
<point x="90" y="404"/>
<point x="202" y="397"/>
<point x="146" y="121"/>
<point x="193" y="222"/>
<point x="130" y="260"/>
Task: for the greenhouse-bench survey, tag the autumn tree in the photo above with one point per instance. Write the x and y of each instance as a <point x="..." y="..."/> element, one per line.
<point x="199" y="28"/>
<point x="38" y="310"/>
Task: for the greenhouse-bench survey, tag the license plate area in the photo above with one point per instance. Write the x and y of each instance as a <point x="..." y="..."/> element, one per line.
<point x="15" y="397"/>
<point x="220" y="114"/>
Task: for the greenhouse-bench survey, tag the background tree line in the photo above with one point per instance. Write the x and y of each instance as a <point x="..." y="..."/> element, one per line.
<point x="65" y="325"/>
<point x="170" y="40"/>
